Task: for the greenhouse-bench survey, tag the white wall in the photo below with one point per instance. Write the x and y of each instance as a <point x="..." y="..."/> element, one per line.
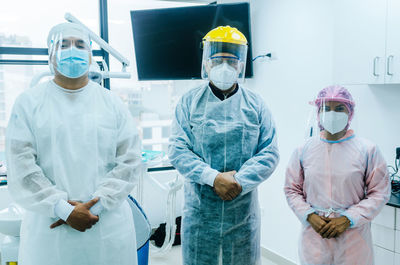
<point x="377" y="116"/>
<point x="300" y="32"/>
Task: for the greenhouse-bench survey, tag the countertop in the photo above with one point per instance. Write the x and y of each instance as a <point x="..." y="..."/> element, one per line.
<point x="394" y="200"/>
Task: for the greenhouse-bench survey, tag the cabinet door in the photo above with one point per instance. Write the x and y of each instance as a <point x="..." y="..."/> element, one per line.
<point x="359" y="41"/>
<point x="383" y="237"/>
<point x="383" y="256"/>
<point x="392" y="74"/>
<point x="386" y="217"/>
<point x="396" y="259"/>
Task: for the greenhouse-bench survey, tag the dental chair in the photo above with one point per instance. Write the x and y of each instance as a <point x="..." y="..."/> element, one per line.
<point x="10" y="223"/>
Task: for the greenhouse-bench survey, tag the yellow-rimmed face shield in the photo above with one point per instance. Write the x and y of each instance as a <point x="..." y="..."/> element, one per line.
<point x="224" y="56"/>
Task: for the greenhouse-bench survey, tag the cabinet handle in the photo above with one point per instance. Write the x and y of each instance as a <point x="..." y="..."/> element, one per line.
<point x="376" y="70"/>
<point x="389" y="65"/>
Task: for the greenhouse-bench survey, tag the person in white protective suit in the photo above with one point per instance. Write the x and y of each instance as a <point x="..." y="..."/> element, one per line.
<point x="73" y="156"/>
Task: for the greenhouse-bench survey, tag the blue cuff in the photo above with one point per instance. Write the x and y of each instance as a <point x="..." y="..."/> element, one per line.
<point x="63" y="209"/>
<point x="208" y="176"/>
<point x="97" y="208"/>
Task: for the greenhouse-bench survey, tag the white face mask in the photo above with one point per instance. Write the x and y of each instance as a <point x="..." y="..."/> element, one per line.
<point x="223" y="76"/>
<point x="333" y="121"/>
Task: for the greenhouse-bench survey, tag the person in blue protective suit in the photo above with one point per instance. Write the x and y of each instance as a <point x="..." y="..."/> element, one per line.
<point x="224" y="143"/>
<point x="73" y="156"/>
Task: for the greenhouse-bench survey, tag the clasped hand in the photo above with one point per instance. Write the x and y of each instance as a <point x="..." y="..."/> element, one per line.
<point x="80" y="218"/>
<point x="226" y="186"/>
<point x="328" y="227"/>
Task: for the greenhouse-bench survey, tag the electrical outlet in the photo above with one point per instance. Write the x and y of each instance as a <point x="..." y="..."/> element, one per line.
<point x="273" y="56"/>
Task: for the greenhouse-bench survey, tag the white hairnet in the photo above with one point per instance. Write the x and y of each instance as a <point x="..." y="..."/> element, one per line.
<point x="68" y="30"/>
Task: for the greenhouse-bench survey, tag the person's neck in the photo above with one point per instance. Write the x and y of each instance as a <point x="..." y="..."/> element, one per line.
<point x="230" y="90"/>
<point x="71" y="83"/>
<point x="334" y="137"/>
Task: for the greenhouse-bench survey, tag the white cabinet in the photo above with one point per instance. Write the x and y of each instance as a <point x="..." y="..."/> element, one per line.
<point x="366" y="42"/>
<point x="383" y="256"/>
<point x="397" y="219"/>
<point x="386" y="217"/>
<point x="397" y="240"/>
<point x="392" y="74"/>
<point x="383" y="237"/>
<point x="359" y="41"/>
<point x="396" y="259"/>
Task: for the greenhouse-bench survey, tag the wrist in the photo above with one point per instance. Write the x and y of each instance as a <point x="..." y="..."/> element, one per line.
<point x="347" y="220"/>
<point x="310" y="216"/>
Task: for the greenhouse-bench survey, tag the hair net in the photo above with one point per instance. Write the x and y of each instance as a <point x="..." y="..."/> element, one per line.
<point x="68" y="30"/>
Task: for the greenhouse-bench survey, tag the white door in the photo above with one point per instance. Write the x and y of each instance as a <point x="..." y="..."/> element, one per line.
<point x="392" y="74"/>
<point x="359" y="41"/>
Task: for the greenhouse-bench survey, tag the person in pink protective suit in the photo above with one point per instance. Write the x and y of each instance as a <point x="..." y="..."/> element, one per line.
<point x="336" y="184"/>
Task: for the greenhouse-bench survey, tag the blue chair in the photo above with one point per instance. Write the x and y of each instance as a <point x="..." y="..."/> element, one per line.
<point x="143" y="231"/>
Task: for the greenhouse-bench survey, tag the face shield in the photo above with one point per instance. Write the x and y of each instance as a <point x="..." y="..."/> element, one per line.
<point x="334" y="112"/>
<point x="95" y="73"/>
<point x="224" y="63"/>
<point x="69" y="51"/>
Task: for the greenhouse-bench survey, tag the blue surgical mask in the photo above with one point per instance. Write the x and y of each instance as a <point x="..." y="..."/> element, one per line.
<point x="73" y="62"/>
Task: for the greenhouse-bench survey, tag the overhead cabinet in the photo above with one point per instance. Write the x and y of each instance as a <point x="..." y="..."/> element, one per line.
<point x="366" y="42"/>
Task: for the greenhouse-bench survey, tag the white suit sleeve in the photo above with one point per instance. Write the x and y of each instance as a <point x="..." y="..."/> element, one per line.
<point x="180" y="151"/>
<point x="260" y="167"/>
<point x="27" y="184"/>
<point x="115" y="187"/>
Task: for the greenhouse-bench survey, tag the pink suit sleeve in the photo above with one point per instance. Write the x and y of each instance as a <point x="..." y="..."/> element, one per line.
<point x="377" y="191"/>
<point x="293" y="188"/>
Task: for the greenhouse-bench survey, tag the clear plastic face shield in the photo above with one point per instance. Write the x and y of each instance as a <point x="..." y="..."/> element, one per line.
<point x="70" y="54"/>
<point x="224" y="64"/>
<point x="330" y="118"/>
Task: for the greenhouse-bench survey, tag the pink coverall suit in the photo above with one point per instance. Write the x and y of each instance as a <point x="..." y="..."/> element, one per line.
<point x="348" y="178"/>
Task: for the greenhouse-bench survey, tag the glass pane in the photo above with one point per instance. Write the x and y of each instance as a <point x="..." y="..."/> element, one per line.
<point x="151" y="103"/>
<point x="26" y="23"/>
<point x="147" y="133"/>
<point x="13" y="81"/>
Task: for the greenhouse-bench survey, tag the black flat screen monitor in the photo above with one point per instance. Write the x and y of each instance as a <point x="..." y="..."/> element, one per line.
<point x="167" y="41"/>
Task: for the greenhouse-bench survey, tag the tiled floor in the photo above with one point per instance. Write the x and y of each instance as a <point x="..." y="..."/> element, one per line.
<point x="174" y="257"/>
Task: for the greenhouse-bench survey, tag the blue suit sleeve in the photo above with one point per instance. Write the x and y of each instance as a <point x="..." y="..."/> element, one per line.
<point x="260" y="167"/>
<point x="180" y="151"/>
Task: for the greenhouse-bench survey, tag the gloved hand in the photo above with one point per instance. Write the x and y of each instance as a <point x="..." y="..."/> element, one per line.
<point x="80" y="218"/>
<point x="317" y="222"/>
<point x="335" y="227"/>
<point x="226" y="187"/>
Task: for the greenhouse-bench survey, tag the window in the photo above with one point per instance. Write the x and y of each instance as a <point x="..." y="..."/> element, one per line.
<point x="28" y="27"/>
<point x="17" y="78"/>
<point x="27" y="23"/>
<point x="151" y="103"/>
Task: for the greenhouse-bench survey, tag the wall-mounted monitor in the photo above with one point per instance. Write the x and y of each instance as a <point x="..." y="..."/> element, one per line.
<point x="167" y="41"/>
